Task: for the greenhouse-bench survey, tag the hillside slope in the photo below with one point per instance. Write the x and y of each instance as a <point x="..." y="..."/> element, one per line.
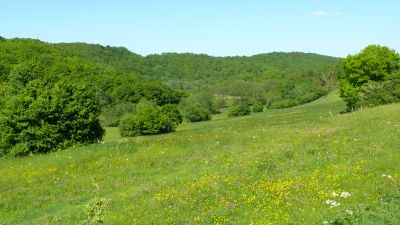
<point x="288" y="166"/>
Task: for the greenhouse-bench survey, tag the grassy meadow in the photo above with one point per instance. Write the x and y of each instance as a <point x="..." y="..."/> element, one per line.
<point x="303" y="165"/>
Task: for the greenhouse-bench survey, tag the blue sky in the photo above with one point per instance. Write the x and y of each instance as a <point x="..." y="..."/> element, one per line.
<point x="214" y="27"/>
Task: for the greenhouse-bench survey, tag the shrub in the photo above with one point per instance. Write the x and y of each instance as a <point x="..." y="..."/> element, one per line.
<point x="378" y="93"/>
<point x="284" y="103"/>
<point x="150" y="119"/>
<point x="127" y="126"/>
<point x="111" y="114"/>
<point x="217" y="105"/>
<point x="308" y="97"/>
<point x="4" y="90"/>
<point x="239" y="109"/>
<point x="196" y="113"/>
<point x="44" y="117"/>
<point x="257" y="107"/>
<point x="96" y="211"/>
<point x="173" y="113"/>
<point x="205" y="100"/>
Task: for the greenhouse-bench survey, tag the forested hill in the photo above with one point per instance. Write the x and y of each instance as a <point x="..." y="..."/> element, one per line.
<point x="279" y="79"/>
<point x="170" y="66"/>
<point x="194" y="66"/>
<point x="173" y="67"/>
<point x="119" y="58"/>
<point x="192" y="69"/>
<point x="24" y="62"/>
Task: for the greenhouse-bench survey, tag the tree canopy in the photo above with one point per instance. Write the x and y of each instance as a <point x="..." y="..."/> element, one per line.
<point x="374" y="64"/>
<point x="43" y="114"/>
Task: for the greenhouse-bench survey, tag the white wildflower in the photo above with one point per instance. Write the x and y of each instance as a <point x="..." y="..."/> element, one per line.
<point x="332" y="203"/>
<point x="390" y="177"/>
<point x="325" y="222"/>
<point x="349" y="212"/>
<point x="123" y="141"/>
<point x="344" y="194"/>
<point x="334" y="194"/>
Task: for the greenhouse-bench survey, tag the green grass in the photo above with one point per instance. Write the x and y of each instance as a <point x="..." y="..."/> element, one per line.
<point x="275" y="167"/>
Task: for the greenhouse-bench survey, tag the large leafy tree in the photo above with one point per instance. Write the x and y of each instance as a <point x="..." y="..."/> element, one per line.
<point x="373" y="64"/>
<point x="46" y="113"/>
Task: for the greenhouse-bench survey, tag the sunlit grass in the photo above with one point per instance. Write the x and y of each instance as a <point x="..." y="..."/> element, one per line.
<point x="288" y="166"/>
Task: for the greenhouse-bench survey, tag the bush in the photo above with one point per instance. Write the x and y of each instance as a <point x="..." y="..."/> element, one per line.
<point x="127" y="126"/>
<point x="378" y="93"/>
<point x="205" y="100"/>
<point x="196" y="113"/>
<point x="284" y="103"/>
<point x="218" y="104"/>
<point x="150" y="119"/>
<point x="44" y="117"/>
<point x="111" y="114"/>
<point x="309" y="97"/>
<point x="239" y="109"/>
<point x="173" y="113"/>
<point x="257" y="107"/>
<point x="96" y="211"/>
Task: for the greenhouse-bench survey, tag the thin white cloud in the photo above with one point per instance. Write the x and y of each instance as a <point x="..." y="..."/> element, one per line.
<point x="318" y="13"/>
<point x="338" y="13"/>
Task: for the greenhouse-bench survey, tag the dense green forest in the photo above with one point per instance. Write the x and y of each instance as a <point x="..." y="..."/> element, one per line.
<point x="278" y="79"/>
<point x="114" y="87"/>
